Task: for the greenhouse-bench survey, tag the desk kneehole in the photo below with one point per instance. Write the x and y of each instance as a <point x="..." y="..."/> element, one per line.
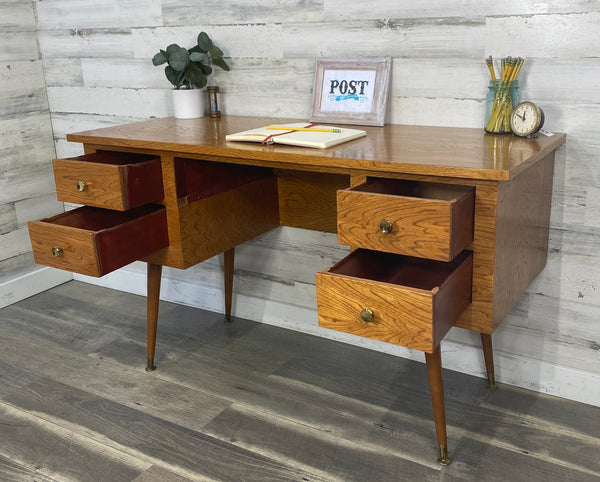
<point x="403" y="300"/>
<point x="95" y="241"/>
<point x="423" y="219"/>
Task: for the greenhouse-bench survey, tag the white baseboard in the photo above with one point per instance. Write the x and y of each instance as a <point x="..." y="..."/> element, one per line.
<point x="40" y="278"/>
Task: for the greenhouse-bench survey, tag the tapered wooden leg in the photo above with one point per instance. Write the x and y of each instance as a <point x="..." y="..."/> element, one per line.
<point x="488" y="355"/>
<point x="228" y="271"/>
<point x="153" y="296"/>
<point x="436" y="387"/>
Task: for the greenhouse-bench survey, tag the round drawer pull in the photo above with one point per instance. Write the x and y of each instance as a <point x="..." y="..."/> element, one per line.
<point x="81" y="186"/>
<point x="386" y="226"/>
<point x="58" y="252"/>
<point x="367" y="315"/>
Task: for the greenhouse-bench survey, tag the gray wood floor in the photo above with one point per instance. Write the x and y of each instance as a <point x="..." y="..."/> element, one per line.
<point x="243" y="401"/>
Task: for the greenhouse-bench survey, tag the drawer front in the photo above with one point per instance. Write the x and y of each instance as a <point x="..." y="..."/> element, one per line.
<point x="437" y="227"/>
<point x="112" y="180"/>
<point x="94" y="241"/>
<point x="385" y="308"/>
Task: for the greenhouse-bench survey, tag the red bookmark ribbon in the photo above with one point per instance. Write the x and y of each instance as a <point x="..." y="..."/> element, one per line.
<point x="269" y="139"/>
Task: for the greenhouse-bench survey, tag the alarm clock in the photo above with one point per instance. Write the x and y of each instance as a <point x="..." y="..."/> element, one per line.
<point x="526" y="119"/>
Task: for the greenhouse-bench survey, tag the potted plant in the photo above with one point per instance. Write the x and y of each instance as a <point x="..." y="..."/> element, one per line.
<point x="188" y="71"/>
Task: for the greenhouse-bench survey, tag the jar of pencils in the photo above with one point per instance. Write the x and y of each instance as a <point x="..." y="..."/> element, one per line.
<point x="502" y="96"/>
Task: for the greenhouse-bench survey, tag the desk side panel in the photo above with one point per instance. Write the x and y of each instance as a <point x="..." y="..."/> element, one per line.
<point x="172" y="255"/>
<point x="478" y="315"/>
<point x="522" y="227"/>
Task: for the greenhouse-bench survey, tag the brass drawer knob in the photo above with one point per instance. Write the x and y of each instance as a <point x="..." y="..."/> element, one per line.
<point x="81" y="186"/>
<point x="58" y="252"/>
<point x="386" y="226"/>
<point x="367" y="315"/>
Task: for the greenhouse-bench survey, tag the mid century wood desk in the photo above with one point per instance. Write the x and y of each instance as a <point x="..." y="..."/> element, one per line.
<point x="449" y="225"/>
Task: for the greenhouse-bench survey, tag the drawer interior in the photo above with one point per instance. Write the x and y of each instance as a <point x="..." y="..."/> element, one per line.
<point x="114" y="158"/>
<point x="95" y="241"/>
<point x="420" y="273"/>
<point x="416" y="189"/>
<point x="97" y="219"/>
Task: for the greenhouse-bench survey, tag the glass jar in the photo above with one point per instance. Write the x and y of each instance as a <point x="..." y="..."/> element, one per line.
<point x="499" y="103"/>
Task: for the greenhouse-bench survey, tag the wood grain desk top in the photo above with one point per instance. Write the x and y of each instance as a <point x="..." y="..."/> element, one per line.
<point x="402" y="149"/>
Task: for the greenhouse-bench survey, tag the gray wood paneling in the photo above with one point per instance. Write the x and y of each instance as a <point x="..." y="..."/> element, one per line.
<point x="17" y="15"/>
<point x="20" y="76"/>
<point x="26" y="142"/>
<point x="123" y="102"/>
<point x="444" y="9"/>
<point x="18" y="45"/>
<point x="402" y="38"/>
<point x="177" y="12"/>
<point x="63" y="72"/>
<point x="85" y="43"/>
<point x="545" y="35"/>
<point x="32" y="100"/>
<point x="8" y="218"/>
<point x="99" y="14"/>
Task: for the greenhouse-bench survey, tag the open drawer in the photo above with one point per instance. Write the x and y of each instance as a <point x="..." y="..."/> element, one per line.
<point x="423" y="219"/>
<point x="95" y="241"/>
<point x="112" y="180"/>
<point x="403" y="300"/>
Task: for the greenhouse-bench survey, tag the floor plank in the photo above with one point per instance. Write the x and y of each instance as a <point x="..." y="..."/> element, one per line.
<point x="12" y="471"/>
<point x="56" y="452"/>
<point x="246" y="401"/>
<point x="475" y="460"/>
<point x="345" y="459"/>
<point x="143" y="436"/>
<point x="158" y="474"/>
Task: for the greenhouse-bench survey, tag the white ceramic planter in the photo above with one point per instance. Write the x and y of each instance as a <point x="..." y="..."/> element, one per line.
<point x="188" y="103"/>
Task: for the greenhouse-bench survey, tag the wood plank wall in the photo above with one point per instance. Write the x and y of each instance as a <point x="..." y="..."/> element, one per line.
<point x="96" y="62"/>
<point x="26" y="147"/>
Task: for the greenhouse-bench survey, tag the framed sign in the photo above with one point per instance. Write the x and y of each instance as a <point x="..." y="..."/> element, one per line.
<point x="351" y="91"/>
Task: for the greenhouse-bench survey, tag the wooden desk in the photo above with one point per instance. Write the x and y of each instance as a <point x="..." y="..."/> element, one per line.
<point x="450" y="225"/>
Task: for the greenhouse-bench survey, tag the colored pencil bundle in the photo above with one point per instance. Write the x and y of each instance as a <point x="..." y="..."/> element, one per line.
<point x="499" y="119"/>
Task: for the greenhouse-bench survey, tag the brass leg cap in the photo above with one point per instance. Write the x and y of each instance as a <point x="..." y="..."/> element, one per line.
<point x="444" y="460"/>
<point x="491" y="382"/>
<point x="150" y="366"/>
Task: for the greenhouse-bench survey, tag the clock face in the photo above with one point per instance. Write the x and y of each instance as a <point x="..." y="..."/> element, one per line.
<point x="526" y="119"/>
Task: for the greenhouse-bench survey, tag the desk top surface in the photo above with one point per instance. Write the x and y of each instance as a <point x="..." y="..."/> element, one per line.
<point x="405" y="149"/>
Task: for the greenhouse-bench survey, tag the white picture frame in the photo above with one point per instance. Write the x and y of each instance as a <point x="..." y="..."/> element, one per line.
<point x="351" y="91"/>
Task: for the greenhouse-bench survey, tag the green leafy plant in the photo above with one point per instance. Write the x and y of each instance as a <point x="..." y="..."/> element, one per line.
<point x="190" y="68"/>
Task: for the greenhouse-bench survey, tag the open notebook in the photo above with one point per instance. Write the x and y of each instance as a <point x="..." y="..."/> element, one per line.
<point x="305" y="138"/>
